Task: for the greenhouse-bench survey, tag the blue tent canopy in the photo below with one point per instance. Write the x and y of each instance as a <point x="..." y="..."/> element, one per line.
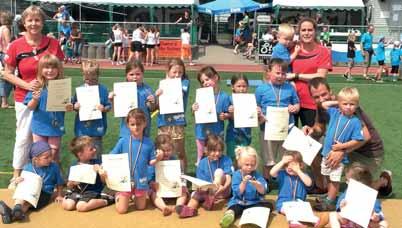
<point x="230" y="6"/>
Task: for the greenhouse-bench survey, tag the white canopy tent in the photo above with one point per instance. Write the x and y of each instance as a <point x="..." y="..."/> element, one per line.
<point x="319" y="4"/>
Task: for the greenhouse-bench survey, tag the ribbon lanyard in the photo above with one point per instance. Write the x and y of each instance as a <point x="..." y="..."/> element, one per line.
<point x="130" y="153"/>
<point x="210" y="170"/>
<point x="277" y="95"/>
<point x="293" y="189"/>
<point x="217" y="97"/>
<point x="336" y="138"/>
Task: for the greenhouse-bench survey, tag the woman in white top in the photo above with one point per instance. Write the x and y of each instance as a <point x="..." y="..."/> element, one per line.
<point x="136" y="44"/>
<point x="6" y="20"/>
<point x="118" y="43"/>
<point x="150" y="44"/>
<point x="126" y="45"/>
<point x="158" y="43"/>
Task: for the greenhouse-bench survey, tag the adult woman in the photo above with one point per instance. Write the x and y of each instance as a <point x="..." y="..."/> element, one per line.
<point x="76" y="36"/>
<point x="312" y="61"/>
<point x="6" y="20"/>
<point x="24" y="54"/>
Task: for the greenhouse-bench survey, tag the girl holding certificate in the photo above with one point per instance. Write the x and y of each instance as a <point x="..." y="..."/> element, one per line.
<point x="173" y="124"/>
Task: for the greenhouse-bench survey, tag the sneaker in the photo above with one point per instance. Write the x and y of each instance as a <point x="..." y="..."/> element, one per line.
<point x="326" y="205"/>
<point x="209" y="202"/>
<point x="186" y="211"/>
<point x="386" y="190"/>
<point x="227" y="220"/>
<point x="109" y="198"/>
<point x="17" y="212"/>
<point x="5" y="212"/>
<point x="345" y="76"/>
<point x="191" y="64"/>
<point x="12" y="185"/>
<point x="379" y="81"/>
<point x="350" y="79"/>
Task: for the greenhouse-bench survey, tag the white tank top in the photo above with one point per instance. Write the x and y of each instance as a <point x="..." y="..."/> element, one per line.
<point x="137" y="35"/>
<point x="118" y="36"/>
<point x="151" y="38"/>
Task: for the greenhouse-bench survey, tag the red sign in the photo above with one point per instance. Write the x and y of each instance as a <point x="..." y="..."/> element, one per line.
<point x="170" y="48"/>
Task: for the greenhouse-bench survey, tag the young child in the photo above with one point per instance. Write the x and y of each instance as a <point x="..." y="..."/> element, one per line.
<point x="150" y="40"/>
<point x="343" y="133"/>
<point x="80" y="196"/>
<point x="164" y="145"/>
<point x="396" y="54"/>
<point x="351" y="54"/>
<point x="275" y="92"/>
<point x="208" y="77"/>
<point x="325" y="37"/>
<point x="186" y="46"/>
<point x="47" y="126"/>
<point x="146" y="99"/>
<point x="173" y="124"/>
<point x="362" y="174"/>
<point x="236" y="136"/>
<point x="380" y="55"/>
<point x="248" y="186"/>
<point x="68" y="50"/>
<point x="141" y="153"/>
<point x="41" y="164"/>
<point x="285" y="38"/>
<point x="93" y="128"/>
<point x="215" y="168"/>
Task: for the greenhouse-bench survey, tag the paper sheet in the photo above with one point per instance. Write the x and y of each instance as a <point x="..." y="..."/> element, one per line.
<point x="360" y="200"/>
<point x="118" y="171"/>
<point x="125" y="98"/>
<point x="206" y="106"/>
<point x="171" y="99"/>
<point x="245" y="110"/>
<point x="59" y="95"/>
<point x="255" y="215"/>
<point x="29" y="189"/>
<point x="88" y="98"/>
<point x="277" y="122"/>
<point x="198" y="183"/>
<point x="299" y="211"/>
<point x="83" y="173"/>
<point x="167" y="175"/>
<point x="307" y="146"/>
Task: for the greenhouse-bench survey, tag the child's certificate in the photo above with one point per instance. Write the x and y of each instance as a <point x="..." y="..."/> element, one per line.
<point x="171" y="99"/>
<point x="245" y="110"/>
<point x="29" y="189"/>
<point x="83" y="173"/>
<point x="59" y="95"/>
<point x="167" y="175"/>
<point x="88" y="98"/>
<point x="125" y="98"/>
<point x="198" y="183"/>
<point x="255" y="215"/>
<point x="307" y="146"/>
<point x="117" y="170"/>
<point x="299" y="211"/>
<point x="206" y="112"/>
<point x="277" y="123"/>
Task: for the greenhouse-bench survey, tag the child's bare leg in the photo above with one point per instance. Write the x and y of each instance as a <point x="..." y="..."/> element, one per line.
<point x="193" y="203"/>
<point x="122" y="202"/>
<point x="158" y="201"/>
<point x="68" y="204"/>
<point x="182" y="200"/>
<point x="92" y="204"/>
<point x="140" y="202"/>
<point x="334" y="220"/>
<point x="333" y="188"/>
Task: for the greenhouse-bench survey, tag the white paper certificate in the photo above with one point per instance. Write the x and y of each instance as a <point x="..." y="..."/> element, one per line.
<point x="206" y="112"/>
<point x="88" y="98"/>
<point x="59" y="95"/>
<point x="245" y="110"/>
<point x="167" y="175"/>
<point x="307" y="146"/>
<point x="171" y="99"/>
<point x="277" y="122"/>
<point x="118" y="171"/>
<point x="299" y="211"/>
<point x="198" y="183"/>
<point x="255" y="215"/>
<point x="29" y="189"/>
<point x="125" y="98"/>
<point x="83" y="173"/>
<point x="360" y="200"/>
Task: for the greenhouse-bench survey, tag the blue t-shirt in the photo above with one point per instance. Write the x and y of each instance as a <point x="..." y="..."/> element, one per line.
<point x="99" y="185"/>
<point x="268" y="94"/>
<point x="222" y="102"/>
<point x="395" y="56"/>
<point x="241" y="136"/>
<point x="341" y="128"/>
<point x="143" y="91"/>
<point x="51" y="175"/>
<point x="281" y="52"/>
<point x="147" y="153"/>
<point x="66" y="29"/>
<point x="176" y="119"/>
<point x="380" y="51"/>
<point x="367" y="41"/>
<point x="93" y="128"/>
<point x="45" y="123"/>
<point x="206" y="168"/>
<point x="289" y="185"/>
<point x="377" y="205"/>
<point x="250" y="195"/>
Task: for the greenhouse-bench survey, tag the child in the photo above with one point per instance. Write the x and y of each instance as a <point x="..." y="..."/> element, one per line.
<point x="93" y="128"/>
<point x="285" y="38"/>
<point x="248" y="186"/>
<point x="146" y="99"/>
<point x="126" y="45"/>
<point x="351" y="54"/>
<point x="41" y="164"/>
<point x="80" y="196"/>
<point x="396" y="54"/>
<point x="68" y="51"/>
<point x="275" y="92"/>
<point x="186" y="46"/>
<point x="141" y="153"/>
<point x="215" y="168"/>
<point x="165" y="146"/>
<point x="47" y="126"/>
<point x="362" y="174"/>
<point x="380" y="55"/>
<point x="343" y="133"/>
<point x="237" y="39"/>
<point x="325" y="37"/>
<point x="208" y="77"/>
<point x="150" y="42"/>
<point x="237" y="136"/>
<point x="173" y="124"/>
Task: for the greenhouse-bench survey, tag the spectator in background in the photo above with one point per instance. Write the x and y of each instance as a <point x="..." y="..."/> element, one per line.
<point x="351" y="54"/>
<point x="380" y="55"/>
<point x="237" y="39"/>
<point x="366" y="45"/>
<point x="6" y="21"/>
<point x="76" y="37"/>
<point x="65" y="28"/>
<point x="186" y="47"/>
<point x="186" y="19"/>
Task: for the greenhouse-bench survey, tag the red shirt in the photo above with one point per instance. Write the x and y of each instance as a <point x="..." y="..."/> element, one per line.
<point x="309" y="63"/>
<point x="28" y="66"/>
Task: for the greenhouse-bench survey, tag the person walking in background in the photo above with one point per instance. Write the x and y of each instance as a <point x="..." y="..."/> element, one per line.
<point x="380" y="55"/>
<point x="6" y="20"/>
<point x="186" y="46"/>
<point x="366" y="45"/>
<point x="76" y="37"/>
<point x="351" y="54"/>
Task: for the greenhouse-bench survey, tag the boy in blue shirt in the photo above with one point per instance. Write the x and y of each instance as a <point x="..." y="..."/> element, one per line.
<point x="366" y="45"/>
<point x="285" y="38"/>
<point x="395" y="60"/>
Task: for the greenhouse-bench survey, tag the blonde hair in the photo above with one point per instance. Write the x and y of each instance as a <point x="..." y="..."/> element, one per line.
<point x="286" y="29"/>
<point x="33" y="11"/>
<point x="6" y="18"/>
<point x="90" y="68"/>
<point x="349" y="93"/>
<point x="246" y="151"/>
<point x="352" y="36"/>
<point x="49" y="60"/>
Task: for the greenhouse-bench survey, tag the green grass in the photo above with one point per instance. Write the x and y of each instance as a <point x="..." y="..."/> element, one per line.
<point x="382" y="102"/>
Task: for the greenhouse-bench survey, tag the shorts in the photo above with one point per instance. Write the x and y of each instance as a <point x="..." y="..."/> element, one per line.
<point x="367" y="57"/>
<point x="334" y="174"/>
<point x="85" y="196"/>
<point x="351" y="62"/>
<point x="151" y="46"/>
<point x="134" y="192"/>
<point x="271" y="151"/>
<point x="394" y="69"/>
<point x="118" y="44"/>
<point x="176" y="131"/>
<point x="381" y="62"/>
<point x="44" y="199"/>
<point x="184" y="191"/>
<point x="186" y="50"/>
<point x="136" y="46"/>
